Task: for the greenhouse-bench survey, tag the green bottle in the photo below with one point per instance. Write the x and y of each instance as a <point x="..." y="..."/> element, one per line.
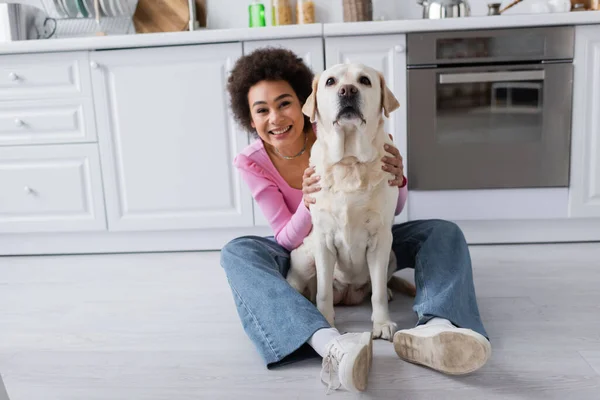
<point x="256" y="10"/>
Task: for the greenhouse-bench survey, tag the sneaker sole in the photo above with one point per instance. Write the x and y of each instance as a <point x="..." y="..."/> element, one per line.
<point x="369" y="342"/>
<point x="361" y="366"/>
<point x="452" y="352"/>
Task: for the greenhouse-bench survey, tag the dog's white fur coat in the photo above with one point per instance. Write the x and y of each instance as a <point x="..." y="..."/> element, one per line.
<point x="348" y="253"/>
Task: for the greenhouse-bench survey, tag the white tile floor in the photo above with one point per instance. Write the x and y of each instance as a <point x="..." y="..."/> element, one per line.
<point x="164" y="326"/>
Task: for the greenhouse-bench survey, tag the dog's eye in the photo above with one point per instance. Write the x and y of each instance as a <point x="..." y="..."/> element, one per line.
<point x="365" y="81"/>
<point x="330" y="82"/>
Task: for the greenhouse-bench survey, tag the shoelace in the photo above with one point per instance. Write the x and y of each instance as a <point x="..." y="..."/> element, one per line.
<point x="331" y="364"/>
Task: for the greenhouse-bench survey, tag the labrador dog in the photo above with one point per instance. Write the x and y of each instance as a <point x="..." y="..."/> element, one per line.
<point x="348" y="253"/>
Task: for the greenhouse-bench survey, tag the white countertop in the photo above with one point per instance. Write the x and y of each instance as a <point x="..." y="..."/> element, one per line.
<point x="201" y="36"/>
<point x="205" y="36"/>
<point x="452" y="24"/>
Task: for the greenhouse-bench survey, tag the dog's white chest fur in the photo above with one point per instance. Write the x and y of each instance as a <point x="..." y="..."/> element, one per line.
<point x="354" y="204"/>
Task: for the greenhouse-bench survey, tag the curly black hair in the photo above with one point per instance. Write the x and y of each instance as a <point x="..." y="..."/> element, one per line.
<point x="271" y="64"/>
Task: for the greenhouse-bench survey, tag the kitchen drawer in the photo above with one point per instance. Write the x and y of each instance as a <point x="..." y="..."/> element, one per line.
<point x="51" y="189"/>
<point x="47" y="121"/>
<point x="37" y="76"/>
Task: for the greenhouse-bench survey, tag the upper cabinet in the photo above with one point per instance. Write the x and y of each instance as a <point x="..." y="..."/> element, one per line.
<point x="584" y="191"/>
<point x="387" y="54"/>
<point x="167" y="139"/>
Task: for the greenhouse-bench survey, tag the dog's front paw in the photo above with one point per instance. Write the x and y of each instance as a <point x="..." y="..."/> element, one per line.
<point x="328" y="313"/>
<point x="384" y="330"/>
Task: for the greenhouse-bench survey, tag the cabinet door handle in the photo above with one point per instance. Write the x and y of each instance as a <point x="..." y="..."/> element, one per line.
<point x="94" y="65"/>
<point x="19" y="122"/>
<point x="13" y="77"/>
<point x="399" y="48"/>
<point x="28" y="190"/>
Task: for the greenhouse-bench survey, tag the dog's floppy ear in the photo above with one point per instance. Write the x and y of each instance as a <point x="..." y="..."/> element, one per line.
<point x="310" y="106"/>
<point x="389" y="102"/>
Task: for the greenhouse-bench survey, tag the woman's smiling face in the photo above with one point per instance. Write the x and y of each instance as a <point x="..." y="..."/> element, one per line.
<point x="277" y="115"/>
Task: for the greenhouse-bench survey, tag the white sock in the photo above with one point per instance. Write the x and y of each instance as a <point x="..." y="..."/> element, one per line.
<point x="321" y="338"/>
<point x="438" y="321"/>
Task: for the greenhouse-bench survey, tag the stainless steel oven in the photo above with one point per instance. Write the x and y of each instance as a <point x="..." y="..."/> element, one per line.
<point x="489" y="109"/>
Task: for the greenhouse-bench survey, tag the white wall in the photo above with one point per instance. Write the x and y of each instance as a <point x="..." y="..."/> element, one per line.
<point x="234" y="13"/>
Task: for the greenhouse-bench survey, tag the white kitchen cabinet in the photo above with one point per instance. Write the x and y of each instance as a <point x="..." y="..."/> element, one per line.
<point x="309" y="49"/>
<point x="51" y="189"/>
<point x="584" y="188"/>
<point x="387" y="54"/>
<point x="167" y="139"/>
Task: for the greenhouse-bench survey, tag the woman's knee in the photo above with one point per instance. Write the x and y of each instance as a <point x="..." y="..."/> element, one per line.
<point x="237" y="248"/>
<point x="446" y="226"/>
<point x="447" y="229"/>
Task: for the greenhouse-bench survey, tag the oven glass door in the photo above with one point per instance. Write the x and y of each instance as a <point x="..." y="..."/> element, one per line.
<point x="489" y="127"/>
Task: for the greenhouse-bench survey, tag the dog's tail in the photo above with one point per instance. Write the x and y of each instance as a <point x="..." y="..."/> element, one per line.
<point x="401" y="285"/>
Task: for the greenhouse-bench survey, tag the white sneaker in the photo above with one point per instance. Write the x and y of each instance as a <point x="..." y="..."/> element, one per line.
<point x="348" y="362"/>
<point x="443" y="347"/>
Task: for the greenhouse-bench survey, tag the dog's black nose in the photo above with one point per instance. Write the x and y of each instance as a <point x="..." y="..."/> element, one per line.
<point x="348" y="91"/>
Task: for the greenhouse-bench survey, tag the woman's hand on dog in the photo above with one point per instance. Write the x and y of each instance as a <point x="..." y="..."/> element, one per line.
<point x="393" y="165"/>
<point x="309" y="185"/>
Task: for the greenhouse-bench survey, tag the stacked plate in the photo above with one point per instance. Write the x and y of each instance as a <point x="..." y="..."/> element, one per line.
<point x="85" y="8"/>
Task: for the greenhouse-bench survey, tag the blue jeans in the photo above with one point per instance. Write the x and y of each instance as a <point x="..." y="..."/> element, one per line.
<point x="279" y="320"/>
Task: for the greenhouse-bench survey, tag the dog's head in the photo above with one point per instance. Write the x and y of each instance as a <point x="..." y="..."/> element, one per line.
<point x="349" y="94"/>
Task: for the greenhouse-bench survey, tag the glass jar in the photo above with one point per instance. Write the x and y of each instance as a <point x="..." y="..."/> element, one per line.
<point x="282" y="12"/>
<point x="305" y="12"/>
<point x="357" y="10"/>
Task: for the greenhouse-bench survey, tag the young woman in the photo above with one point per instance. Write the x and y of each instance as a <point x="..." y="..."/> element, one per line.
<point x="268" y="89"/>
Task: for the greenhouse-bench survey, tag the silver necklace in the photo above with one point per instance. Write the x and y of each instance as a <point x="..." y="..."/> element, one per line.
<point x="297" y="155"/>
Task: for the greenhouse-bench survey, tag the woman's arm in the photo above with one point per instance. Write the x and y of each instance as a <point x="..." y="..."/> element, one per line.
<point x="394" y="165"/>
<point x="402" y="196"/>
<point x="289" y="228"/>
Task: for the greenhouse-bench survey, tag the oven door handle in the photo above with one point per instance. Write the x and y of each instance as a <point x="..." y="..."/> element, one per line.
<point x="501" y="76"/>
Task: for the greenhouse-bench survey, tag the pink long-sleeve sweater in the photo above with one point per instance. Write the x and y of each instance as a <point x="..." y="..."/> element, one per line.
<point x="281" y="204"/>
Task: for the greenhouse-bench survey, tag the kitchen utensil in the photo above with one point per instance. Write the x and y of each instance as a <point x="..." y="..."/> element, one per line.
<point x="89" y="6"/>
<point x="111" y="8"/>
<point x="71" y="8"/>
<point x="97" y="25"/>
<point x="494" y="8"/>
<point x="105" y="8"/>
<point x="437" y="9"/>
<point x="81" y="6"/>
<point x="119" y="7"/>
<point x="60" y="8"/>
<point x="514" y="3"/>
